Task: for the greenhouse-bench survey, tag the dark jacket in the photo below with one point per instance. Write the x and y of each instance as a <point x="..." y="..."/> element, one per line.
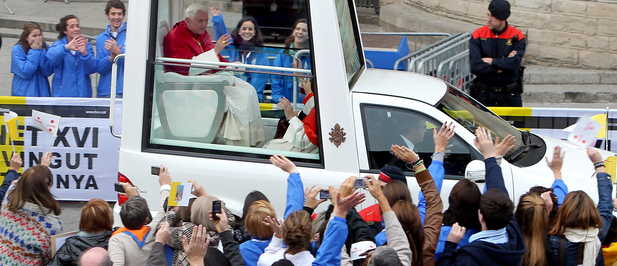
<point x="231" y="256"/>
<point x="504" y="70"/>
<point x="485" y="253"/>
<point x="10" y="176"/>
<point x="74" y="246"/>
<point x="573" y="250"/>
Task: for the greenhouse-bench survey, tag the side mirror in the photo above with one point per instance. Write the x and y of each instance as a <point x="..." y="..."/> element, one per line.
<point x="475" y="171"/>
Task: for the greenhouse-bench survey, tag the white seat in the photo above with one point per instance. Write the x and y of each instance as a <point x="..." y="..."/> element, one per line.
<point x="191" y="108"/>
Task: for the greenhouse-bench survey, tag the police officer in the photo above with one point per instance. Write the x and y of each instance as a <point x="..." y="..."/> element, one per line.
<point x="495" y="52"/>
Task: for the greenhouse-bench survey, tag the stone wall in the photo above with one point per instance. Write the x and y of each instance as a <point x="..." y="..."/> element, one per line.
<point x="561" y="32"/>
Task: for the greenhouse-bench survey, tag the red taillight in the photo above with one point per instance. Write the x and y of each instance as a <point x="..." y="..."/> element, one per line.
<point x="123" y="179"/>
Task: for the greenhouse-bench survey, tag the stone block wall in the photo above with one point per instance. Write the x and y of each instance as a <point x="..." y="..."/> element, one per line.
<point x="574" y="33"/>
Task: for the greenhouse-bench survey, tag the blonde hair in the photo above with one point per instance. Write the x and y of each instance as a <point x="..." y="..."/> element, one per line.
<point x="532" y="218"/>
<point x="253" y="222"/>
<point x="200" y="211"/>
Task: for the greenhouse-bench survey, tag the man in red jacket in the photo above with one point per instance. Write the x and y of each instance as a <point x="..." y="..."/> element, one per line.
<point x="189" y="38"/>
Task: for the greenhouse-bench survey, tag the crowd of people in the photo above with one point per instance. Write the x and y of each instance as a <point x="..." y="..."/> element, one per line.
<point x="72" y="59"/>
<point x="549" y="226"/>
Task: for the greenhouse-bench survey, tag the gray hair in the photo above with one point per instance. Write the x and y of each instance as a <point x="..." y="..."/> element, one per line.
<point x="193" y="8"/>
<point x="385" y="256"/>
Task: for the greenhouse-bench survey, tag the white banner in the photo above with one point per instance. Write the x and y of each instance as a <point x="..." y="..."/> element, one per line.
<point x="84" y="153"/>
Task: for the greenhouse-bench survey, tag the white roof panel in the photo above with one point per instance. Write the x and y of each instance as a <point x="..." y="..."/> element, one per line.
<point x="403" y="84"/>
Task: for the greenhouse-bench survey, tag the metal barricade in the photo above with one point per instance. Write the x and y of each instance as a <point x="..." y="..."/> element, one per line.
<point x="410" y="58"/>
<point x="428" y="63"/>
<point x="369" y="4"/>
<point x="420" y="62"/>
<point x="456" y="71"/>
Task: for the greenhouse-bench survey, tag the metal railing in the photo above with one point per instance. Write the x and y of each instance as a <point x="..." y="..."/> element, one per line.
<point x="456" y="71"/>
<point x="417" y="52"/>
<point x="112" y="96"/>
<point x="428" y="63"/>
<point x="419" y="62"/>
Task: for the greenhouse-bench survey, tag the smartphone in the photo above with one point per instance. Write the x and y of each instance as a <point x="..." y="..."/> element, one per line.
<point x="324" y="194"/>
<point x="216" y="208"/>
<point x="155" y="170"/>
<point x="359" y="183"/>
<point x="119" y="188"/>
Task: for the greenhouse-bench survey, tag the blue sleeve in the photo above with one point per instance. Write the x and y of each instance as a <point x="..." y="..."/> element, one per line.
<point x="605" y="203"/>
<point x="45" y="65"/>
<point x="219" y="26"/>
<point x="438" y="173"/>
<point x="278" y="81"/>
<point x="560" y="190"/>
<point x="494" y="176"/>
<point x="10" y="176"/>
<point x="25" y="65"/>
<point x="89" y="60"/>
<point x="295" y="194"/>
<point x="103" y="65"/>
<point x="55" y="54"/>
<point x="329" y="253"/>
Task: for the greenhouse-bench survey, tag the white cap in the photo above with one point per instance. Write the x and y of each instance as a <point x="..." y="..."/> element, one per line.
<point x="359" y="249"/>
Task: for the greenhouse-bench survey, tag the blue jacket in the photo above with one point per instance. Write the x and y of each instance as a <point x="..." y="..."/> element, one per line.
<point x="252" y="249"/>
<point x="560" y="190"/>
<point x="71" y="71"/>
<point x="329" y="253"/>
<point x="481" y="252"/>
<point x="10" y="176"/>
<point x="485" y="253"/>
<point x="605" y="207"/>
<point x="282" y="86"/>
<point x="30" y="72"/>
<point x="260" y="56"/>
<point x="103" y="66"/>
<point x="295" y="194"/>
<point x="494" y="179"/>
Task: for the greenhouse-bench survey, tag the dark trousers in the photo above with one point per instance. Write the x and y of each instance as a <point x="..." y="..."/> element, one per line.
<point x="495" y="96"/>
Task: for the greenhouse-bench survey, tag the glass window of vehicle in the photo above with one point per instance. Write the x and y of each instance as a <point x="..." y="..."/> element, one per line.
<point x="529" y="149"/>
<point x="199" y="107"/>
<point x="349" y="38"/>
<point x="386" y="125"/>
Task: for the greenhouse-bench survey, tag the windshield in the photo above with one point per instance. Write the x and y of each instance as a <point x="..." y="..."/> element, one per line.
<point x="471" y="114"/>
<point x="528" y="150"/>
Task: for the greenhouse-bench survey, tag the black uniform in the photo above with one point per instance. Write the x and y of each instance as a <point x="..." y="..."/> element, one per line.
<point x="499" y="83"/>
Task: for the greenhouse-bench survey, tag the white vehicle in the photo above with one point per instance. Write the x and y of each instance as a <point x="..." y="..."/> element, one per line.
<point x="361" y="112"/>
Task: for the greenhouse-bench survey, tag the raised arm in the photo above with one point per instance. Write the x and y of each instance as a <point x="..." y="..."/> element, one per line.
<point x="605" y="189"/>
<point x="394" y="231"/>
<point x="295" y="188"/>
<point x="560" y="190"/>
<point x="484" y="143"/>
<point x="329" y="253"/>
<point x="434" y="206"/>
<point x="441" y="138"/>
<point x="218" y="23"/>
<point x="23" y="64"/>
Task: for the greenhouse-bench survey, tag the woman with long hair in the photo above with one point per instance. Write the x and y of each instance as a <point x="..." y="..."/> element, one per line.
<point x="29" y="64"/>
<point x="72" y="59"/>
<point x="246" y="48"/>
<point x="29" y="218"/>
<point x="532" y="217"/>
<point x="282" y="86"/>
<point x="575" y="238"/>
